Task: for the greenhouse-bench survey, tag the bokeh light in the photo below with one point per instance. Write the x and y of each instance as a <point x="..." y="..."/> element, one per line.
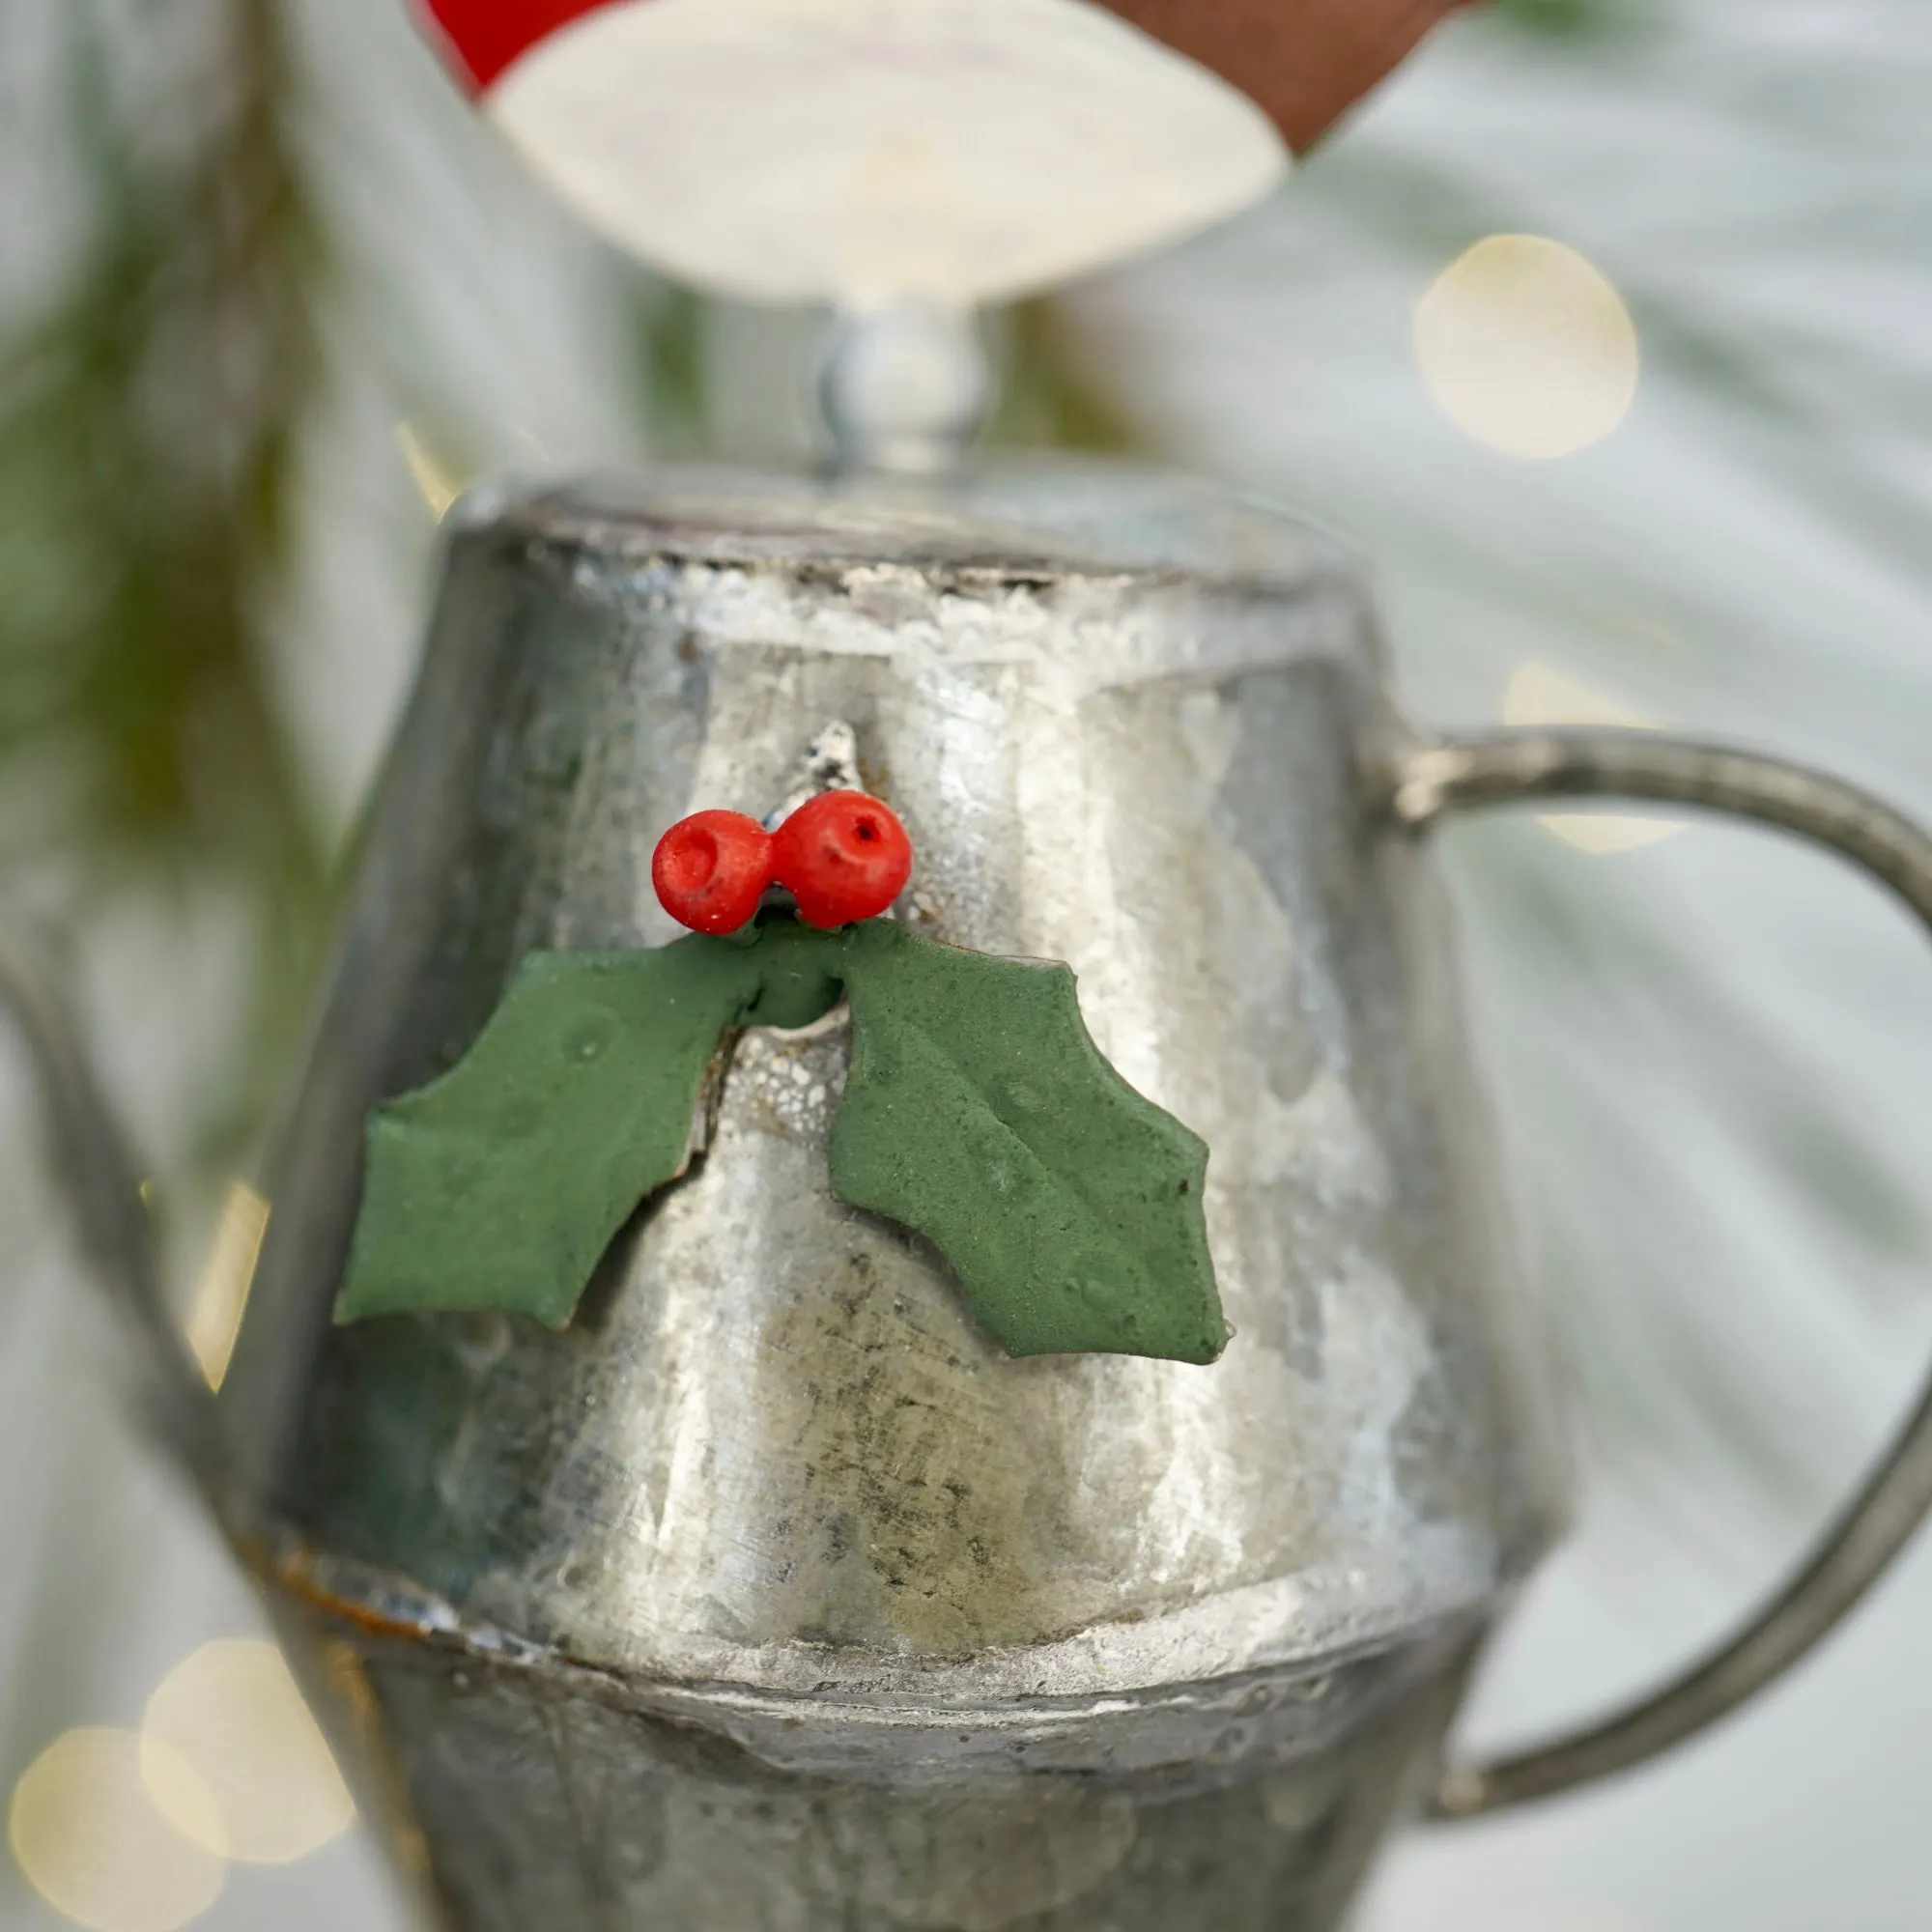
<point x="1527" y="348"/>
<point x="233" y="1712"/>
<point x="87" y="1831"/>
<point x="438" y="484"/>
<point x="222" y="1297"/>
<point x="1539" y="695"/>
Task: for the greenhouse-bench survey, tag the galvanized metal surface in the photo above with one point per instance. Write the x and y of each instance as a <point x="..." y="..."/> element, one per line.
<point x="772" y="1489"/>
<point x="769" y="1595"/>
<point x="574" y="1815"/>
<point x="772" y="1534"/>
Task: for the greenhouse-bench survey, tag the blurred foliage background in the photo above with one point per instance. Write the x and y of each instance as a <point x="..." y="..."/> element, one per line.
<point x="268" y="296"/>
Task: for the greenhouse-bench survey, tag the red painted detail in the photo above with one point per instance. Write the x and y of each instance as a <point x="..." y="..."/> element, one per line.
<point x="711" y="870"/>
<point x="844" y="856"/>
<point x="488" y="36"/>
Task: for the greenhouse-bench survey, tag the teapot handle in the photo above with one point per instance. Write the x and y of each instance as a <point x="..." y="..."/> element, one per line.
<point x="99" y="1178"/>
<point x="1418" y="787"/>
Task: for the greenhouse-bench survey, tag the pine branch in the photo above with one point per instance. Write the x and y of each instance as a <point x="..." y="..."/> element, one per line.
<point x="150" y="416"/>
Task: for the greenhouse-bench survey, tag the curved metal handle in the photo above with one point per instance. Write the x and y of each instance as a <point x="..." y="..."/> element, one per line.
<point x="1424" y="785"/>
<point x="99" y="1180"/>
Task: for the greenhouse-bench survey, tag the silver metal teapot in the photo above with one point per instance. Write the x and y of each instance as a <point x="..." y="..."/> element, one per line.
<point x="769" y="1595"/>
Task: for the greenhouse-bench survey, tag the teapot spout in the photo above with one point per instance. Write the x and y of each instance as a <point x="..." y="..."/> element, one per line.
<point x="99" y="1177"/>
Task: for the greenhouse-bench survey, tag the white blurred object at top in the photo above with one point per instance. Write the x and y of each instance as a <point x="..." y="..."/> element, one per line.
<point x="859" y="152"/>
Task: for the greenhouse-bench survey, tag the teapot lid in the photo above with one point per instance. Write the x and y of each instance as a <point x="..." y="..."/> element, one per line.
<point x="1055" y="516"/>
<point x="1098" y="574"/>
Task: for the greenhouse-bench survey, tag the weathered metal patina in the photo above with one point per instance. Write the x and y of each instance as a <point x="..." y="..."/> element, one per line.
<point x="770" y="1594"/>
<point x="810" y="1605"/>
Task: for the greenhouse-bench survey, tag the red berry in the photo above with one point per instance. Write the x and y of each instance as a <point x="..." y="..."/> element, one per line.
<point x="712" y="869"/>
<point x="844" y="856"/>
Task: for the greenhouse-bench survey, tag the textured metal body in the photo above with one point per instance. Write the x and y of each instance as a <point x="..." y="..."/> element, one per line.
<point x="769" y="1595"/>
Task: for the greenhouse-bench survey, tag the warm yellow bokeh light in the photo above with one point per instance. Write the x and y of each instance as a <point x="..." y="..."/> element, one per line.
<point x="438" y="484"/>
<point x="1527" y="347"/>
<point x="1604" y="834"/>
<point x="1538" y="695"/>
<point x="233" y="1712"/>
<point x="222" y="1298"/>
<point x="86" y="1832"/>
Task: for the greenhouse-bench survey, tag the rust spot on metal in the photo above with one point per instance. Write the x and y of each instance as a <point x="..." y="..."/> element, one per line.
<point x="292" y="1569"/>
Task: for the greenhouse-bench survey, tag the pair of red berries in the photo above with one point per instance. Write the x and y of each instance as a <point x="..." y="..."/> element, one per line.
<point x="844" y="856"/>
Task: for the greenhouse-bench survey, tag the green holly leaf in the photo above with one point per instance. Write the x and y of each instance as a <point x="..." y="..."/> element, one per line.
<point x="500" y="1186"/>
<point x="980" y="1112"/>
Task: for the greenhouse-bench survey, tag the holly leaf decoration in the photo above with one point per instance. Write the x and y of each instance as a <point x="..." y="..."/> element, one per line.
<point x="978" y="1111"/>
<point x="500" y="1186"/>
